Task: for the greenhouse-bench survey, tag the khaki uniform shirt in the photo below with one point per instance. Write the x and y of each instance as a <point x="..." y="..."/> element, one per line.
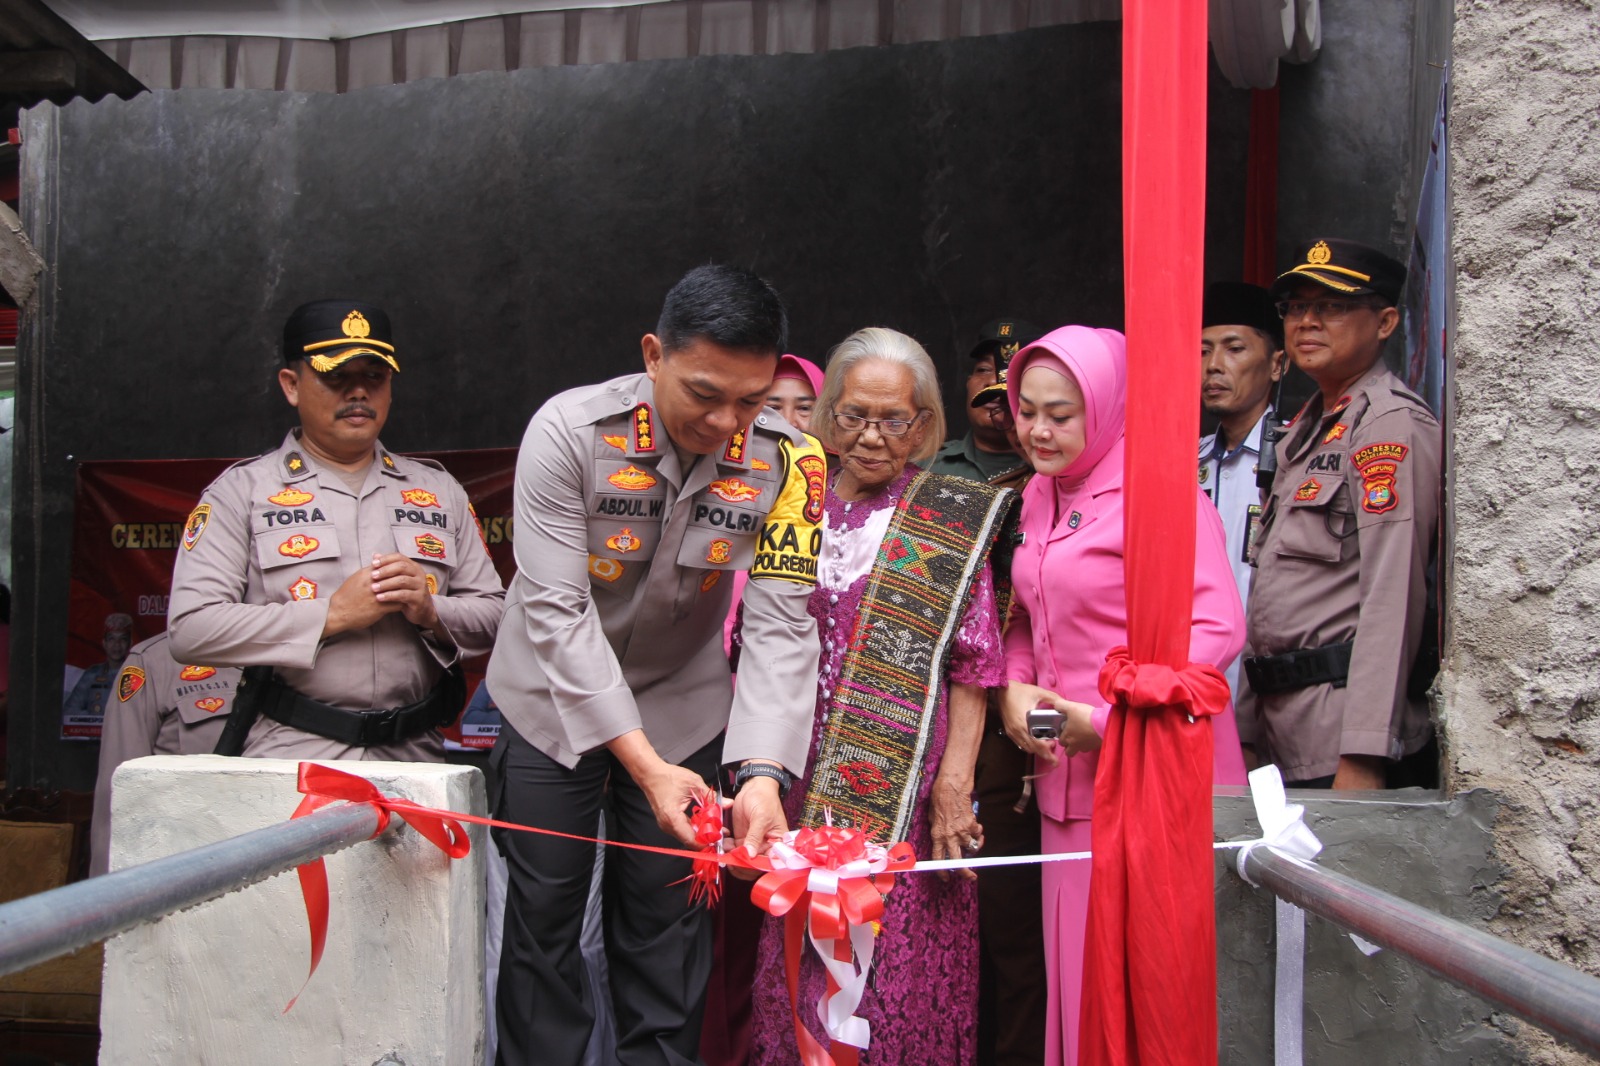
<point x="270" y="542"/>
<point x="624" y="576"/>
<point x="1347" y="535"/>
<point x="157" y="707"/>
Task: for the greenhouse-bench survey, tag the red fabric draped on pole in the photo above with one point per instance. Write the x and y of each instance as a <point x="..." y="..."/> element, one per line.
<point x="1150" y="953"/>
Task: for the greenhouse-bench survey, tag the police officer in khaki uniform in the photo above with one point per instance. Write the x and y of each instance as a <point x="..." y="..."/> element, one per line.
<point x="357" y="575"/>
<point x="1336" y="616"/>
<point x="636" y="501"/>
<point x="157" y="707"/>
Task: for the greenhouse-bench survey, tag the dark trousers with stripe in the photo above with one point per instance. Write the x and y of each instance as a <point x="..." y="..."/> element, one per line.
<point x="658" y="948"/>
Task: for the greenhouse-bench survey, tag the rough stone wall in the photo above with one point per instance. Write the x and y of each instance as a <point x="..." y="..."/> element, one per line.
<point x="1521" y="697"/>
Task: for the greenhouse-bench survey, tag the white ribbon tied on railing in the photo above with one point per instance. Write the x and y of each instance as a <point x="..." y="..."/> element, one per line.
<point x="1284" y="830"/>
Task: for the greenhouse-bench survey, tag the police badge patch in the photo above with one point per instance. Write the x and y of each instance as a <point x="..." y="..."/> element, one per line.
<point x="130" y="681"/>
<point x="195" y="527"/>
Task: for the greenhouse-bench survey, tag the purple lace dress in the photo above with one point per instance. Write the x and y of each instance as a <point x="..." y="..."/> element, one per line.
<point x="922" y="999"/>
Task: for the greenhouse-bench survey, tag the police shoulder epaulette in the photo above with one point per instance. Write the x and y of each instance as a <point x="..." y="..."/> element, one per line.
<point x="775" y="425"/>
<point x="420" y="461"/>
<point x="611" y="399"/>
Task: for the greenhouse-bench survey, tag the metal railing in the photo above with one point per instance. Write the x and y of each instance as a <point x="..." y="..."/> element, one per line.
<point x="41" y="927"/>
<point x="1551" y="995"/>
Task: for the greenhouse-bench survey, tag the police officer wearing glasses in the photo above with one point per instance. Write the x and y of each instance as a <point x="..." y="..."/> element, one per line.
<point x="1337" y="613"/>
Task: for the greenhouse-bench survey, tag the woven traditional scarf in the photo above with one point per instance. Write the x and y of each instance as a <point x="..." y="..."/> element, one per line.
<point x="882" y="711"/>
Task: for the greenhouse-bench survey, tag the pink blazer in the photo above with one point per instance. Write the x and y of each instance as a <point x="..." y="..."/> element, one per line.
<point x="1070" y="610"/>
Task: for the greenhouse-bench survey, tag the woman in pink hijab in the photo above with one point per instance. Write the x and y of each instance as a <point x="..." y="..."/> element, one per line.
<point x="1068" y="394"/>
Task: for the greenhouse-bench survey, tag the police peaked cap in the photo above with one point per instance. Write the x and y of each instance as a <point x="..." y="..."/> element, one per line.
<point x="1345" y="267"/>
<point x="1233" y="303"/>
<point x="329" y="333"/>
<point x="1010" y="335"/>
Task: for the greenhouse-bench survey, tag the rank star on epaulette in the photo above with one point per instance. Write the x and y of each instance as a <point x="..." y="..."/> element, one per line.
<point x="388" y="461"/>
<point x="734" y="452"/>
<point x="644" y="434"/>
<point x="293" y="463"/>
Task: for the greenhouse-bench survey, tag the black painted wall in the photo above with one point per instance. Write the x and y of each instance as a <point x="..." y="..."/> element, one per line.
<point x="522" y="229"/>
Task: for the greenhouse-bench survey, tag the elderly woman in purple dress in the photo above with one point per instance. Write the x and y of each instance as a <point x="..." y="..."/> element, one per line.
<point x="910" y="628"/>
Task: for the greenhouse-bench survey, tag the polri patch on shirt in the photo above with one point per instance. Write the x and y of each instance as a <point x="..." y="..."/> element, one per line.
<point x="195" y="526"/>
<point x="130" y="681"/>
<point x="1378" y="488"/>
<point x="299" y="546"/>
<point x="430" y="546"/>
<point x="419" y="497"/>
<point x="624" y="541"/>
<point x="291" y="497"/>
<point x="631" y="479"/>
<point x="1328" y="461"/>
<point x="1372" y="452"/>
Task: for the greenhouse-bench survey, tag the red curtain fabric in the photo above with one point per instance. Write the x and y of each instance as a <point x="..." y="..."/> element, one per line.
<point x="1261" y="189"/>
<point x="1150" y="951"/>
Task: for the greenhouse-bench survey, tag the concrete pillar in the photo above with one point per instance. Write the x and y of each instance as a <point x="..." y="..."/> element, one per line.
<point x="1521" y="694"/>
<point x="401" y="980"/>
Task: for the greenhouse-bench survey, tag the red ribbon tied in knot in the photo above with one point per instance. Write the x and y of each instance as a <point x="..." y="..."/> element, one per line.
<point x="705" y="880"/>
<point x="830" y="882"/>
<point x="322" y="785"/>
<point x="1199" y="689"/>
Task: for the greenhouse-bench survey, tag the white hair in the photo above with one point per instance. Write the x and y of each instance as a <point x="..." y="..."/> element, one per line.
<point x="875" y="343"/>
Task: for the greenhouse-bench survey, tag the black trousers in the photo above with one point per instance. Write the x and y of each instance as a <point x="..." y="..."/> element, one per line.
<point x="658" y="948"/>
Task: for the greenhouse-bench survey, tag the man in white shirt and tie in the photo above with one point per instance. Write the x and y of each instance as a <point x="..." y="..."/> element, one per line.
<point x="1241" y="361"/>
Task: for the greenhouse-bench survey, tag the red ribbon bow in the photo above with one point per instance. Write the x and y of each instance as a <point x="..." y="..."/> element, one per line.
<point x="322" y="785"/>
<point x="853" y="901"/>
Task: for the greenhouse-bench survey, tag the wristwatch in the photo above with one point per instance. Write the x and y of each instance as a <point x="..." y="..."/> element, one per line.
<point x="761" y="769"/>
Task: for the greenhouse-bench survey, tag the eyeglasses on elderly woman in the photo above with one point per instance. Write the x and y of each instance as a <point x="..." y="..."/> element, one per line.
<point x="889" y="427"/>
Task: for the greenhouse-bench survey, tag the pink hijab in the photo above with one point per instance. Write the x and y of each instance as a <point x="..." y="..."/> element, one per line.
<point x="1097" y="359"/>
<point x="792" y="366"/>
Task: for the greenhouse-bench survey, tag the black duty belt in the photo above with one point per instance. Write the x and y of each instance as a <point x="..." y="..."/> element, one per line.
<point x="1327" y="665"/>
<point x="365" y="729"/>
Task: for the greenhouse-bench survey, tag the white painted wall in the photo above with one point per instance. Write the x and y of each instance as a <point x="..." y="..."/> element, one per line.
<point x="401" y="980"/>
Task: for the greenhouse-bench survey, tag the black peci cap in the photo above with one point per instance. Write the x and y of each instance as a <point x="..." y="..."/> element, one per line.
<point x="329" y="333"/>
<point x="1233" y="303"/>
<point x="1345" y="267"/>
<point x="1009" y="335"/>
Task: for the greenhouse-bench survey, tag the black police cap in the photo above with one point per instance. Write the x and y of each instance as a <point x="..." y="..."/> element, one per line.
<point x="1233" y="303"/>
<point x="329" y="333"/>
<point x="1345" y="267"/>
<point x="1009" y="335"/>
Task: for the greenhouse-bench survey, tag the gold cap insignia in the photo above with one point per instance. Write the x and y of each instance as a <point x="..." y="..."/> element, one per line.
<point x="1319" y="254"/>
<point x="356" y="325"/>
<point x="1005" y="329"/>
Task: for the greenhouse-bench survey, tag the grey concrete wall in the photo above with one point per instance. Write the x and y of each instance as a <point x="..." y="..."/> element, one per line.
<point x="1362" y="1011"/>
<point x="1521" y="693"/>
